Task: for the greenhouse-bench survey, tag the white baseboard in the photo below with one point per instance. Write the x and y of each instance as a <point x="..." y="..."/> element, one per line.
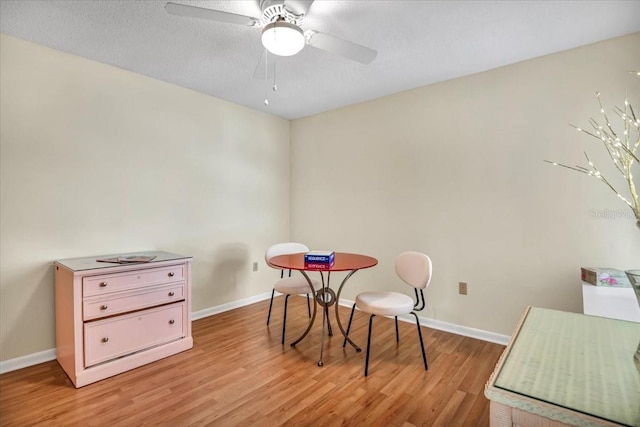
<point x="47" y="355"/>
<point x="462" y="330"/>
<point x="449" y="327"/>
<point x="229" y="306"/>
<point x="28" y="360"/>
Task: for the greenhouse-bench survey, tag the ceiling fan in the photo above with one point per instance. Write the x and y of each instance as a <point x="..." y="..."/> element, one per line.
<point x="282" y="34"/>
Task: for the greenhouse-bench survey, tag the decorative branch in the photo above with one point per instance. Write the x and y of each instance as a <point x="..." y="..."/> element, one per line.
<point x="622" y="148"/>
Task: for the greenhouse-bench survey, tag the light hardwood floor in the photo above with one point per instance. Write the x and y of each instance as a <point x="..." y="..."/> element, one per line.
<point x="238" y="374"/>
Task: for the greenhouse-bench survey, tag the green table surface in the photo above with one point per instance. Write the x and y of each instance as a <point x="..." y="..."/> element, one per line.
<point x="582" y="363"/>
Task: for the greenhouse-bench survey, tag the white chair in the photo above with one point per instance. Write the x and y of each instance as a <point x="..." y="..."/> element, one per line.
<point x="414" y="268"/>
<point x="296" y="285"/>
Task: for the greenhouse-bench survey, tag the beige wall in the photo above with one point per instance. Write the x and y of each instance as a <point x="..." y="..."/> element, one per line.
<point x="456" y="170"/>
<point x="97" y="160"/>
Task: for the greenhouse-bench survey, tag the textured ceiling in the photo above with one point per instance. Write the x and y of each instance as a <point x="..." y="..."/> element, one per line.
<point x="418" y="43"/>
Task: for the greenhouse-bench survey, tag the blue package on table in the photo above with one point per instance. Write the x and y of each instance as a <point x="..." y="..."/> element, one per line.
<point x="326" y="257"/>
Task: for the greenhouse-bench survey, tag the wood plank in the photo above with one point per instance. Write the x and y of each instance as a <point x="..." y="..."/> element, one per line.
<point x="238" y="373"/>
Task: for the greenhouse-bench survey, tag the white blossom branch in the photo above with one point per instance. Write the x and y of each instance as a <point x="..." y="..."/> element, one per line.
<point x="622" y="148"/>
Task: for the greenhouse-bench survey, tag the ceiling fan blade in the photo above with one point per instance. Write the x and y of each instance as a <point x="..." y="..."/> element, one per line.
<point x="210" y="14"/>
<point x="298" y="7"/>
<point x="341" y="47"/>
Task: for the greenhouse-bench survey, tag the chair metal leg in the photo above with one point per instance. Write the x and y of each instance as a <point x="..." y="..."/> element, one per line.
<point x="397" y="332"/>
<point x="424" y="355"/>
<point x="353" y="309"/>
<point x="284" y="320"/>
<point x="273" y="291"/>
<point x="366" y="363"/>
<point x="308" y="305"/>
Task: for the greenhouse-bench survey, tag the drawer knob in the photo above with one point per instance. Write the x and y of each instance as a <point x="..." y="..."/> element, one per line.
<point x="104" y="307"/>
<point x="171" y="322"/>
<point x="103" y="284"/>
<point x="105" y="339"/>
<point x="171" y="274"/>
<point x="171" y="294"/>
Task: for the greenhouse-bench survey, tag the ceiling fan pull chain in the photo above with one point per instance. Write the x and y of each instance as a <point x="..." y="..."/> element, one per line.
<point x="275" y="86"/>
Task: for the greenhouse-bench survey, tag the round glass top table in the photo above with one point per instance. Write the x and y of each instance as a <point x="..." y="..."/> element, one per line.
<point x="325" y="296"/>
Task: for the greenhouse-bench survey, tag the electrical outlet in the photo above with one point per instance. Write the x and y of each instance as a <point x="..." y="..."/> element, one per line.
<point x="255" y="266"/>
<point x="462" y="288"/>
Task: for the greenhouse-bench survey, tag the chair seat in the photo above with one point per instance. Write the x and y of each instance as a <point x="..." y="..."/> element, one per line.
<point x="384" y="303"/>
<point x="295" y="285"/>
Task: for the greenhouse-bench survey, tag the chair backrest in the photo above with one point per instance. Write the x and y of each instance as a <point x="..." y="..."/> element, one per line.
<point x="284" y="249"/>
<point x="414" y="268"/>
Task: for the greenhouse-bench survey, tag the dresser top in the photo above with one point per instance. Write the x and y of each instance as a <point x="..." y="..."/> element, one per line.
<point x="92" y="263"/>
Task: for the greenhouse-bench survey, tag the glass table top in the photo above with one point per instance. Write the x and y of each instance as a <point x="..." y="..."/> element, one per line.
<point x="583" y="363"/>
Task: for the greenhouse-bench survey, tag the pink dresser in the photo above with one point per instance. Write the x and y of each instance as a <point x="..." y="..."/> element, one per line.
<point x="111" y="318"/>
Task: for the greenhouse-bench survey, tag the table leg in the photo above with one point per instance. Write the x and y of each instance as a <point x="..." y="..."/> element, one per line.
<point x="321" y="299"/>
<point x="338" y="312"/>
<point x="324" y="303"/>
<point x="315" y="306"/>
<point x="325" y="297"/>
<point x="328" y="304"/>
<point x="324" y="316"/>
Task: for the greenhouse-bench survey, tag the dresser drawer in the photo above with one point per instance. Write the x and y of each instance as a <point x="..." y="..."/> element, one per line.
<point x="118" y="336"/>
<point x="106" y="283"/>
<point x="107" y="305"/>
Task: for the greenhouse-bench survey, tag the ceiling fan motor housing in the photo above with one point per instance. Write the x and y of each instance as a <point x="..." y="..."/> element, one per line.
<point x="274" y="10"/>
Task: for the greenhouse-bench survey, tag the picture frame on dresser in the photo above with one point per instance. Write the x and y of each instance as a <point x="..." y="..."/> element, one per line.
<point x="111" y="318"/>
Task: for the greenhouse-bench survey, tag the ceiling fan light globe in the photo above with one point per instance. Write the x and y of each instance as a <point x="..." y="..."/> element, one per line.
<point x="283" y="38"/>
